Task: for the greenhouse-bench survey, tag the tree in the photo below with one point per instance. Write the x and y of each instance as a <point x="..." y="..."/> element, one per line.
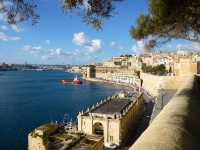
<point x="15" y="11"/>
<point x="166" y="18"/>
<point x="92" y="11"/>
<point x="156" y="70"/>
<point x="169" y="19"/>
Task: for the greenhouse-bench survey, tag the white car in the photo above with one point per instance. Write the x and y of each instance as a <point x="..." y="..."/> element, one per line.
<point x="110" y="145"/>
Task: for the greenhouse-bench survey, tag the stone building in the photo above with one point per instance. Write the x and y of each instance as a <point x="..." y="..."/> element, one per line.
<point x="186" y="66"/>
<point x="112" y="118"/>
<point x="91" y="71"/>
<point x="37" y="139"/>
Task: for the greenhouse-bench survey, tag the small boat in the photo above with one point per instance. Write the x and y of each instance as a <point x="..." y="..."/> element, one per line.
<point x="66" y="81"/>
<point x="74" y="81"/>
<point x="77" y="81"/>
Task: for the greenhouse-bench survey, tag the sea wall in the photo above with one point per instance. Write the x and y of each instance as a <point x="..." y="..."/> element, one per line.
<point x="177" y="126"/>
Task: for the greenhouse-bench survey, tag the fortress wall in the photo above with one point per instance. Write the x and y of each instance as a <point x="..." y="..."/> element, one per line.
<point x="177" y="126"/>
<point x="153" y="83"/>
<point x="35" y="143"/>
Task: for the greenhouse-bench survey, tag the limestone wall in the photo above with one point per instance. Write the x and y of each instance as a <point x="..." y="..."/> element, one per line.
<point x="177" y="127"/>
<point x="153" y="83"/>
<point x="35" y="143"/>
<point x="130" y="120"/>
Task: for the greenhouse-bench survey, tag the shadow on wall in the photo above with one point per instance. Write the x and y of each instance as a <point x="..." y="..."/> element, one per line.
<point x="177" y="127"/>
<point x="142" y="124"/>
<point x="165" y="95"/>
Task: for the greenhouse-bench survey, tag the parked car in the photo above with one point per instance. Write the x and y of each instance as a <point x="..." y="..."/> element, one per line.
<point x="110" y="145"/>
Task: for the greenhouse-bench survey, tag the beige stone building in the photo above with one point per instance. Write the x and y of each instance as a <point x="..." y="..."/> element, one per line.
<point x="186" y="66"/>
<point x="113" y="118"/>
<point x="91" y="71"/>
<point x="109" y="122"/>
<point x="37" y="139"/>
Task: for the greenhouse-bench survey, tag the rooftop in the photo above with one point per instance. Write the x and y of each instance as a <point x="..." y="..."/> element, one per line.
<point x="113" y="107"/>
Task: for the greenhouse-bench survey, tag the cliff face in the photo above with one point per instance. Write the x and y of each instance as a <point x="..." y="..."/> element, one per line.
<point x="177" y="126"/>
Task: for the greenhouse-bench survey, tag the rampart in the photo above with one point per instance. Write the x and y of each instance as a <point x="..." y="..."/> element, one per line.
<point x="177" y="127"/>
<point x="153" y="83"/>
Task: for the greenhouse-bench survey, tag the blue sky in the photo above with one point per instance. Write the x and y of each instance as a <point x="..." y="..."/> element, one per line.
<point x="61" y="38"/>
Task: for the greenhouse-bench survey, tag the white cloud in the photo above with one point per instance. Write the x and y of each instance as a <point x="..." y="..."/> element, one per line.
<point x="5" y="37"/>
<point x="56" y="54"/>
<point x="46" y="53"/>
<point x="32" y="49"/>
<point x="80" y="38"/>
<point x="117" y="46"/>
<point x="86" y="52"/>
<point x="92" y="46"/>
<point x="12" y="26"/>
<point x="139" y="47"/>
<point x="140" y="44"/>
<point x="188" y="47"/>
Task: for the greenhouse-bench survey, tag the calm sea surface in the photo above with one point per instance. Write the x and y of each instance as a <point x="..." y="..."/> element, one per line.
<point x="29" y="99"/>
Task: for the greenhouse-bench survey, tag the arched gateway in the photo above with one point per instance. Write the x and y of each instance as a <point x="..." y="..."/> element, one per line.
<point x="112" y="118"/>
<point x="98" y="128"/>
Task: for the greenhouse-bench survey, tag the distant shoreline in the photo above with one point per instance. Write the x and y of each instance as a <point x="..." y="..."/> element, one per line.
<point x="109" y="82"/>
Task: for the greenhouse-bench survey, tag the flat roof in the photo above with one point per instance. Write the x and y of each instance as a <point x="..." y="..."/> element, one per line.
<point x="113" y="106"/>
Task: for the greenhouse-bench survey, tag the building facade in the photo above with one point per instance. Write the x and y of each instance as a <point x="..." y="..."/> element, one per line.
<point x="113" y="118"/>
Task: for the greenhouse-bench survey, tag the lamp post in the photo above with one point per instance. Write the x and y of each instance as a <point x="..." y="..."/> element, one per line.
<point x="162" y="93"/>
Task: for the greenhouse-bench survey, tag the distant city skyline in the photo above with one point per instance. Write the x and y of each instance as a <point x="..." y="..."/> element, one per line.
<point x="65" y="39"/>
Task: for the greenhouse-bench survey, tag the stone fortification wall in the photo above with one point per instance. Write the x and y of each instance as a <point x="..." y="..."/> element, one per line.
<point x="177" y="126"/>
<point x="153" y="83"/>
<point x="35" y="143"/>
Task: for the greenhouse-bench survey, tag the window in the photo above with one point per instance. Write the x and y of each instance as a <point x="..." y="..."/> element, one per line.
<point x="111" y="138"/>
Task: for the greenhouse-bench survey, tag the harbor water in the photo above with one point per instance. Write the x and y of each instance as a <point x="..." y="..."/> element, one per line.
<point x="29" y="99"/>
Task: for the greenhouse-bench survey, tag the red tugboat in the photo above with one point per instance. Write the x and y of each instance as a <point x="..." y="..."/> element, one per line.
<point x="77" y="81"/>
<point x="74" y="81"/>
